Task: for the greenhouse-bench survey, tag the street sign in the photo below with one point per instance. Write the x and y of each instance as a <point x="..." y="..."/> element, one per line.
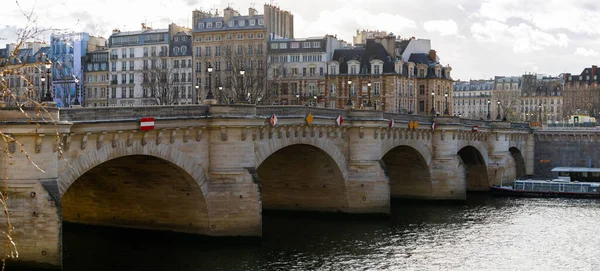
<point x="475" y="128"/>
<point x="147" y="124"/>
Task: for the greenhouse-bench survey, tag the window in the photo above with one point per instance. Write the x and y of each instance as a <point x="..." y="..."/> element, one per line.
<point x="228" y="37"/>
<point x="252" y="22"/>
<point x="183" y="63"/>
<point x="422" y="90"/>
<point x="208" y="38"/>
<point x="353" y="69"/>
<point x="274" y="46"/>
<point x="131" y="52"/>
<point x="198" y="67"/>
<point x="183" y="78"/>
<point x="176" y="64"/>
<point x="240" y="36"/>
<point x="332" y="70"/>
<point x="240" y="49"/>
<point x="130" y="92"/>
<point x="183" y="49"/>
<point x="198" y="39"/>
<point x="242" y="23"/>
<point x="306" y="44"/>
<point x="421" y="72"/>
<point x="353" y="89"/>
<point x="303" y="71"/>
<point x="176" y="50"/>
<point x="250" y="36"/>
<point x="377" y="88"/>
<point x="200" y="25"/>
<point x="421" y="106"/>
<point x="218" y="24"/>
<point x="283" y="46"/>
<point x="295" y="45"/>
<point x="261" y="21"/>
<point x="316" y="44"/>
<point x="131" y="66"/>
<point x="123" y="93"/>
<point x="209" y="25"/>
<point x="376" y="69"/>
<point x="218" y="38"/>
<point x="312" y="71"/>
<point x="259" y="49"/>
<point x="260" y="35"/>
<point x="231" y="23"/>
<point x="208" y="51"/>
<point x="217" y="50"/>
<point x="217" y="67"/>
<point x="321" y="71"/>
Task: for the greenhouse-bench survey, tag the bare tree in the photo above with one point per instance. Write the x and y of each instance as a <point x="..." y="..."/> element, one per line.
<point x="244" y="77"/>
<point x="160" y="80"/>
<point x="509" y="100"/>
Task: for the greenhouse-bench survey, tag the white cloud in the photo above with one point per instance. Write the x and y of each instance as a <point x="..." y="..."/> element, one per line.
<point x="443" y="27"/>
<point x="578" y="17"/>
<point x="459" y="6"/>
<point x="585" y="52"/>
<point x="522" y="37"/>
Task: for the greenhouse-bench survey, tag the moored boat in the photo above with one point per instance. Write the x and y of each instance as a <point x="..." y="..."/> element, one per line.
<point x="570" y="182"/>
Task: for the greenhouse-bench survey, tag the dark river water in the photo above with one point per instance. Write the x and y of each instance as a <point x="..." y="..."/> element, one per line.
<point x="485" y="233"/>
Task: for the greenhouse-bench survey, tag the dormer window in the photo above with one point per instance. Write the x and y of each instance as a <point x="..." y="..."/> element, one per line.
<point x="200" y="25"/>
<point x="209" y="25"/>
<point x="376" y="69"/>
<point x="252" y="22"/>
<point x="176" y="50"/>
<point x="231" y="23"/>
<point x="306" y="44"/>
<point x="218" y="24"/>
<point x="261" y="21"/>
<point x="242" y="23"/>
<point x="183" y="49"/>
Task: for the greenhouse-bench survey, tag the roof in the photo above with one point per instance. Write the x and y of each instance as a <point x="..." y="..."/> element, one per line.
<point x="225" y="25"/>
<point x="402" y="45"/>
<point x="364" y="55"/>
<point x="138" y="32"/>
<point x="575" y="169"/>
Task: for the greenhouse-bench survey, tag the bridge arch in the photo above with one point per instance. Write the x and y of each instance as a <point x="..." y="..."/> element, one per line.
<point x="517" y="156"/>
<point x="146" y="187"/>
<point x="408" y="168"/>
<point x="302" y="177"/>
<point x="475" y="163"/>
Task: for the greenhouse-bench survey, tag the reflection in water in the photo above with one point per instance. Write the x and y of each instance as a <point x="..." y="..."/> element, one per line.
<point x="484" y="234"/>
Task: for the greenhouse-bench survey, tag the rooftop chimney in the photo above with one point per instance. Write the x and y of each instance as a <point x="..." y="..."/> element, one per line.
<point x="252" y="12"/>
<point x="433" y="55"/>
<point x="594" y="69"/>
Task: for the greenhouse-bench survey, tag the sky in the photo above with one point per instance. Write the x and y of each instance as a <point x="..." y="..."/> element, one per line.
<point x="479" y="39"/>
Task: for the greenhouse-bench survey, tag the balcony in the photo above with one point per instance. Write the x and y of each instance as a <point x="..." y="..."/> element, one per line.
<point x="123" y="56"/>
<point x="114" y="57"/>
<point x="131" y="55"/>
<point x="113" y="82"/>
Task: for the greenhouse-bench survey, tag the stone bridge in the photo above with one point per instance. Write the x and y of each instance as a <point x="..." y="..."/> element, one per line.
<point x="211" y="170"/>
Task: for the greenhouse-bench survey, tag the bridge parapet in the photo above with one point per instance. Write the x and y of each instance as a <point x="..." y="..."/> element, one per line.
<point x="86" y="114"/>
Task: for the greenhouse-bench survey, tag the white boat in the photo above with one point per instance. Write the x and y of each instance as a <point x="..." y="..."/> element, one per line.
<point x="568" y="182"/>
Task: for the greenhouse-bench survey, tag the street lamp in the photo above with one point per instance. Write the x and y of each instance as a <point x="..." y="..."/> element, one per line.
<point x="209" y="95"/>
<point x="197" y="94"/>
<point x="432" y="101"/>
<point x="298" y="99"/>
<point x="446" y="112"/>
<point x="221" y="93"/>
<point x="540" y="112"/>
<point x="76" y="102"/>
<point x="349" y="103"/>
<point x="315" y="98"/>
<point x="48" y="96"/>
<point x="489" y="117"/>
<point x="242" y="73"/>
<point x="369" y="94"/>
<point x="498" y="117"/>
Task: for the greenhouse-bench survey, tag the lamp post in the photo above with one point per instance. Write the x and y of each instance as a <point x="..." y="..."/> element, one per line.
<point x="242" y="73"/>
<point x="221" y="94"/>
<point x="446" y="112"/>
<point x="197" y="94"/>
<point x="76" y="102"/>
<point x="369" y="94"/>
<point x="489" y="117"/>
<point x="540" y="112"/>
<point x="349" y="103"/>
<point x="209" y="95"/>
<point x="48" y="96"/>
<point x="432" y="101"/>
<point x="498" y="117"/>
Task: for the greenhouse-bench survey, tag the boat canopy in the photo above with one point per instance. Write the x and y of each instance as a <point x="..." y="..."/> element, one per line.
<point x="575" y="169"/>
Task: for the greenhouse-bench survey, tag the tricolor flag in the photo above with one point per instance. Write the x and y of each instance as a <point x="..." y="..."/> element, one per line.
<point x="339" y="120"/>
<point x="147" y="124"/>
<point x="273" y="120"/>
<point x="433" y="126"/>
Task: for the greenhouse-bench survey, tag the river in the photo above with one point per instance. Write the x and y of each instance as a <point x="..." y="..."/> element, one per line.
<point x="485" y="233"/>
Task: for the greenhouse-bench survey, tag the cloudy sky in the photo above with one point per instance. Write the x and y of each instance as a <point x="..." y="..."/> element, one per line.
<point x="479" y="39"/>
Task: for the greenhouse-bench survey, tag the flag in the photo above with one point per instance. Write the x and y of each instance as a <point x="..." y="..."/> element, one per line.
<point x="392" y="123"/>
<point x="273" y="120"/>
<point x="433" y="126"/>
<point x="339" y="120"/>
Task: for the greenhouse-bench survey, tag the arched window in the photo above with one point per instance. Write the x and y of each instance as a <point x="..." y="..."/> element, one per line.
<point x="176" y="50"/>
<point x="183" y="49"/>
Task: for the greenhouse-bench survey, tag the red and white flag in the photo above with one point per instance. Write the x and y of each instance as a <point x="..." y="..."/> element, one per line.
<point x="392" y="123"/>
<point x="147" y="124"/>
<point x="339" y="120"/>
<point x="475" y="128"/>
<point x="273" y="120"/>
<point x="433" y="126"/>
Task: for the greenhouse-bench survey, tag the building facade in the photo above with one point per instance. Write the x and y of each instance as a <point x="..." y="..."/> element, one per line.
<point x="230" y="55"/>
<point x="23" y="72"/>
<point x="181" y="66"/>
<point x="582" y="92"/>
<point x="471" y="99"/>
<point x="96" y="79"/>
<point x="370" y="78"/>
<point x="541" y="98"/>
<point x="66" y="53"/>
<point x="298" y="67"/>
